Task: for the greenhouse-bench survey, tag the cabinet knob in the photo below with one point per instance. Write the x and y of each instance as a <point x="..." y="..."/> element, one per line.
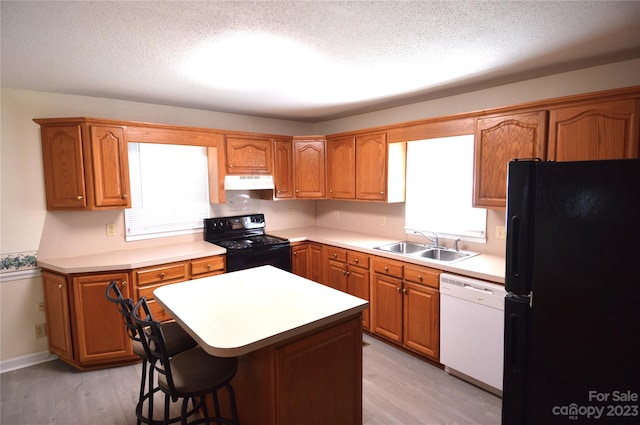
<point x="386" y="269"/>
<point x="162" y="275"/>
<point x="125" y="196"/>
<point x="79" y="197"/>
<point x="420" y="277"/>
<point x="278" y="192"/>
<point x="60" y="286"/>
<point x="208" y="266"/>
<point x="404" y="291"/>
<point x="398" y="289"/>
<point x="124" y="283"/>
<point x="295" y="252"/>
<point x="347" y="273"/>
<point x="230" y="165"/>
<point x="297" y="190"/>
<point x="355" y="260"/>
<point x="382" y="193"/>
<point x="344" y="272"/>
<point x="330" y="190"/>
<point x="335" y="255"/>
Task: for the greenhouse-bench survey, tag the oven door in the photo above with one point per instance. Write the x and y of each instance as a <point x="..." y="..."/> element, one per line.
<point x="277" y="256"/>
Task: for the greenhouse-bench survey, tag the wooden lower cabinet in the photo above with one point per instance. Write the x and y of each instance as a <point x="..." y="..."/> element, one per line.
<point x="405" y="305"/>
<point x="87" y="331"/>
<point x="84" y="329"/>
<point x="306" y="260"/>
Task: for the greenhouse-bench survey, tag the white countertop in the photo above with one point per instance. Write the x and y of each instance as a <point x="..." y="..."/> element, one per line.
<point x="131" y="258"/>
<point x="239" y="312"/>
<point x="485" y="267"/>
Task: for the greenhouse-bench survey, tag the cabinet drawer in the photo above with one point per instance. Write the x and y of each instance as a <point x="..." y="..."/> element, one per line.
<point x="388" y="267"/>
<point x="338" y="254"/>
<point x="156" y="309"/>
<point x="423" y="275"/>
<point x="358" y="259"/>
<point x="165" y="273"/>
<point x="208" y="266"/>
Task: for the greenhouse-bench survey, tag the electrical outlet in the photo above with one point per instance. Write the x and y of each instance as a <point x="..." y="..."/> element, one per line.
<point x="337" y="215"/>
<point x="111" y="229"/>
<point x="501" y="232"/>
<point x="41" y="330"/>
<point x="40" y="306"/>
<point x="383" y="221"/>
<point x="291" y="211"/>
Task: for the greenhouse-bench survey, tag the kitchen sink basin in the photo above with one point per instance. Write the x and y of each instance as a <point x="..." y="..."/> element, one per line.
<point x="403" y="247"/>
<point x="410" y="249"/>
<point x="446" y="255"/>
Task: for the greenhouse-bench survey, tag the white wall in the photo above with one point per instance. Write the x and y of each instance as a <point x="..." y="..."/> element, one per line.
<point x="22" y="203"/>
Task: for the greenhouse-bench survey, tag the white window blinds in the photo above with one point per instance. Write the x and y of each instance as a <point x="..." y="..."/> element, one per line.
<point x="439" y="188"/>
<point x="169" y="190"/>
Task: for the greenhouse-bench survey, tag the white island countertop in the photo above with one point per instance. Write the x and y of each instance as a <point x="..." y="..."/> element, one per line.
<point x="239" y="312"/>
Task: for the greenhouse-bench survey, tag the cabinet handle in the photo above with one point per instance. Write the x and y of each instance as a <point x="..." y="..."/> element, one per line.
<point x="297" y="190"/>
<point x="386" y="269"/>
<point x="330" y="190"/>
<point x="125" y="196"/>
<point x="60" y="286"/>
<point x="347" y="273"/>
<point x="208" y="266"/>
<point x="343" y="272"/>
<point x="382" y="193"/>
<point x="295" y="252"/>
<point x="124" y="283"/>
<point x="162" y="275"/>
<point x="79" y="197"/>
<point x="420" y="277"/>
<point x="398" y="289"/>
<point x="230" y="165"/>
<point x="278" y="192"/>
<point x="335" y="255"/>
<point x="404" y="291"/>
<point x="355" y="260"/>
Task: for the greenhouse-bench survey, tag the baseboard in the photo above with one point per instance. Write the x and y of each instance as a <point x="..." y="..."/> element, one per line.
<point x="26" y="361"/>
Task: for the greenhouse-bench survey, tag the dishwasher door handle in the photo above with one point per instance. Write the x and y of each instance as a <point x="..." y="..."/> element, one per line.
<point x="474" y="288"/>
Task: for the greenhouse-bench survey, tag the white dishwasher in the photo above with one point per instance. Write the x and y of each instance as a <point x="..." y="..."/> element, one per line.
<point x="472" y="330"/>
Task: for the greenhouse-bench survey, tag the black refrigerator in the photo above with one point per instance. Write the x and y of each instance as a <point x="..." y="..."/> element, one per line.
<point x="572" y="310"/>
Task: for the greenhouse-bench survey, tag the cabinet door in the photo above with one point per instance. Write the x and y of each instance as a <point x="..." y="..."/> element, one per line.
<point x="386" y="306"/>
<point x="594" y="132"/>
<point x="56" y="298"/>
<point x="337" y="275"/>
<point x="283" y="172"/>
<point x="309" y="169"/>
<point x="315" y="266"/>
<point x="247" y="155"/>
<point x="300" y="260"/>
<point x="499" y="139"/>
<point x="100" y="332"/>
<point x="422" y="319"/>
<point x="341" y="172"/>
<point x="371" y="167"/>
<point x="64" y="171"/>
<point x="110" y="167"/>
<point x="358" y="286"/>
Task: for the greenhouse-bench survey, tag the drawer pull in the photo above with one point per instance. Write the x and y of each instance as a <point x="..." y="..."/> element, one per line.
<point x="79" y="197"/>
<point x="335" y="255"/>
<point x="420" y="277"/>
<point x="398" y="289"/>
<point x="386" y="269"/>
<point x="162" y="275"/>
<point x="60" y="286"/>
<point x="208" y="266"/>
<point x="355" y="260"/>
<point x="124" y="283"/>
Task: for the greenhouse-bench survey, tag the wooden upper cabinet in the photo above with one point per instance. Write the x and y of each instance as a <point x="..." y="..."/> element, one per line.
<point x="109" y="154"/>
<point x="499" y="139"/>
<point x="283" y="172"/>
<point x="85" y="165"/>
<point x="309" y="168"/>
<point x="341" y="168"/>
<point x="249" y="155"/>
<point x="607" y="130"/>
<point x="371" y="167"/>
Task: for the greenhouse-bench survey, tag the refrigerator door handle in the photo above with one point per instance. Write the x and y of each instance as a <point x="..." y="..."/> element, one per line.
<point x="516" y="334"/>
<point x="513" y="265"/>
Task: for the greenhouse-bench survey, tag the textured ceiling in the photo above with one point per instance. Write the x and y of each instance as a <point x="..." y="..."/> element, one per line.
<point x="308" y="61"/>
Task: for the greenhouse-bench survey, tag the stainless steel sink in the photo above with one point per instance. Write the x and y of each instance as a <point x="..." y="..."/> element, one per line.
<point x="446" y="255"/>
<point x="412" y="249"/>
<point x="403" y="247"/>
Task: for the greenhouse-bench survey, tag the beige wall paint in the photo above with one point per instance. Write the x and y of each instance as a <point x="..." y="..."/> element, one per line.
<point x="25" y="220"/>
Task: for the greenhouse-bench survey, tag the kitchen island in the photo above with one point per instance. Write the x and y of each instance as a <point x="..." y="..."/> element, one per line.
<point x="299" y="343"/>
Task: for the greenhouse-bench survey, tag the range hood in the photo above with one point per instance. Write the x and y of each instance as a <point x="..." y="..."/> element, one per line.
<point x="248" y="182"/>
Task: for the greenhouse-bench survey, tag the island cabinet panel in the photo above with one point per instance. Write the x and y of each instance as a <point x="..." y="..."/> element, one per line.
<point x="309" y="176"/>
<point x="249" y="155"/>
<point x="606" y="130"/>
<point x="336" y="356"/>
<point x="498" y="140"/>
<point x="147" y="279"/>
<point x="283" y="169"/>
<point x="341" y="168"/>
<point x="56" y="298"/>
<point x="85" y="165"/>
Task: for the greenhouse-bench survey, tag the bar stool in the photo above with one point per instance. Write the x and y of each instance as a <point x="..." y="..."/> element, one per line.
<point x="190" y="375"/>
<point x="177" y="340"/>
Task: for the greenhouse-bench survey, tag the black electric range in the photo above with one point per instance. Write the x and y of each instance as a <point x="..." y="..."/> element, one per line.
<point x="247" y="245"/>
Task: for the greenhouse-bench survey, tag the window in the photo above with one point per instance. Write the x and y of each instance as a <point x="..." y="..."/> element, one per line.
<point x="169" y="190"/>
<point x="440" y="189"/>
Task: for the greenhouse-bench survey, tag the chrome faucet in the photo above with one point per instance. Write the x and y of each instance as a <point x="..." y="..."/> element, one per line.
<point x="433" y="239"/>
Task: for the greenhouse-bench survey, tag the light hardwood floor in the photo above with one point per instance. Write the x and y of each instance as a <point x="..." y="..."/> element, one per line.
<point x="397" y="389"/>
